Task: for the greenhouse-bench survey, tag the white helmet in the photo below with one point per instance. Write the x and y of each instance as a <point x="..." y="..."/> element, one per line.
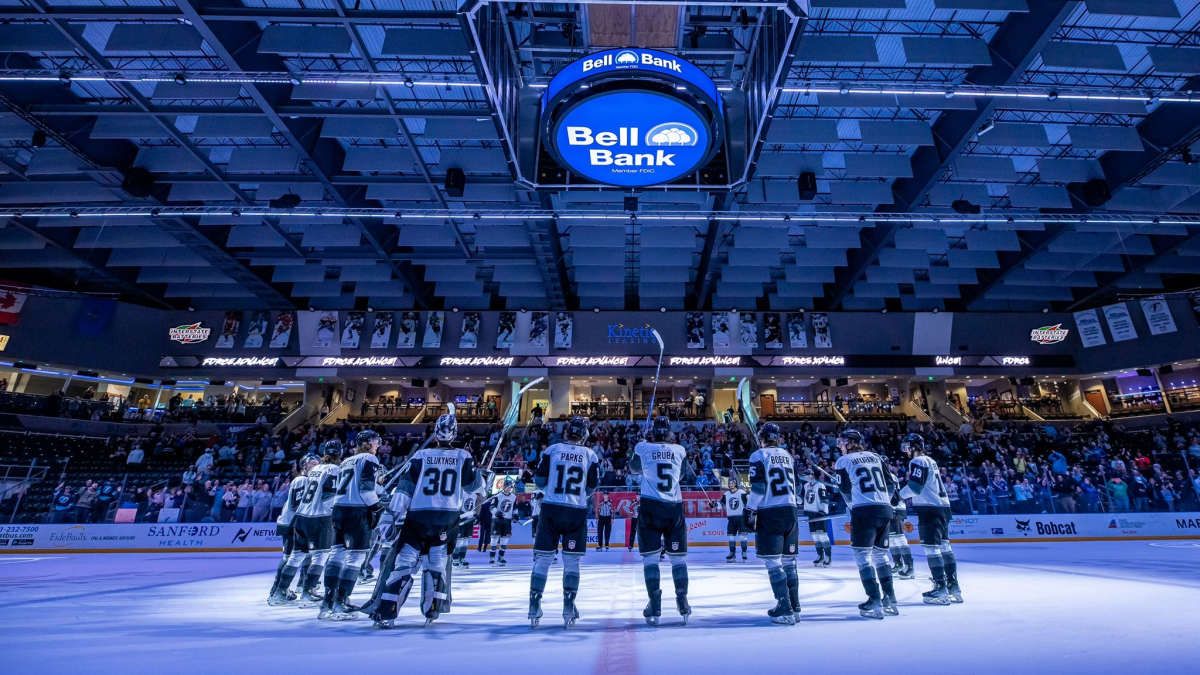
<point x="445" y="430"/>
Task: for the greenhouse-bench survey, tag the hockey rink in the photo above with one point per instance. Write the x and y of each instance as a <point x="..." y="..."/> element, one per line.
<point x="1060" y="607"/>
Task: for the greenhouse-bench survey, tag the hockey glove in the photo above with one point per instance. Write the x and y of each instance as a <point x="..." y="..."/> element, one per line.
<point x="750" y="518"/>
<point x="374" y="513"/>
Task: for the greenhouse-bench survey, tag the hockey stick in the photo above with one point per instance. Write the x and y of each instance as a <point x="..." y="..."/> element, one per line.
<point x="657" y="370"/>
<point x="510" y="419"/>
<point x="749" y="414"/>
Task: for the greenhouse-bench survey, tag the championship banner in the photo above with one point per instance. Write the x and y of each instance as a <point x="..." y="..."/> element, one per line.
<point x="1120" y="322"/>
<point x="1090" y="332"/>
<point x="748" y="330"/>
<point x="1158" y="315"/>
<point x="326" y="328"/>
<point x="721" y="330"/>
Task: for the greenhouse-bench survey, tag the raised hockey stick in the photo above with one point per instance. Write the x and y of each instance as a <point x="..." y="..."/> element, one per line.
<point x="510" y="419"/>
<point x="657" y="370"/>
<point x="749" y="415"/>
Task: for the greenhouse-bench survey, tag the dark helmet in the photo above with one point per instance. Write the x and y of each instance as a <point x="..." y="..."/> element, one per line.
<point x="332" y="448"/>
<point x="913" y="443"/>
<point x="660" y="430"/>
<point x="850" y="436"/>
<point x="770" y="434"/>
<point x="445" y="430"/>
<point x="365" y="438"/>
<point x="576" y="430"/>
<point x="309" y="460"/>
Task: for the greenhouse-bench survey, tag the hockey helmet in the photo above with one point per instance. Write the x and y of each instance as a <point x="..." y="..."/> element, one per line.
<point x="309" y="461"/>
<point x="913" y="443"/>
<point x="365" y="438"/>
<point x="850" y="437"/>
<point x="770" y="434"/>
<point x="660" y="430"/>
<point x="445" y="430"/>
<point x="332" y="448"/>
<point x="576" y="430"/>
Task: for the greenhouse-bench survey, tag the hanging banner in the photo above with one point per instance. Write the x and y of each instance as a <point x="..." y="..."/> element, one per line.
<point x="695" y="330"/>
<point x="435" y="323"/>
<point x="281" y="334"/>
<point x="229" y="330"/>
<point x="1158" y="315"/>
<point x="797" y="333"/>
<point x="822" y="337"/>
<point x="539" y="331"/>
<point x="327" y="325"/>
<point x="470" y="331"/>
<point x="721" y="330"/>
<point x="1120" y="322"/>
<point x="564" y="330"/>
<point x="407" y="333"/>
<point x="352" y="330"/>
<point x="772" y="331"/>
<point x="1090" y="332"/>
<point x="381" y="334"/>
<point x="256" y="330"/>
<point x="505" y="329"/>
<point x="748" y="330"/>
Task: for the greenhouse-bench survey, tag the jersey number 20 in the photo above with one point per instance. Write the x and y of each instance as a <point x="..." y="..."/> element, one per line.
<point x="870" y="480"/>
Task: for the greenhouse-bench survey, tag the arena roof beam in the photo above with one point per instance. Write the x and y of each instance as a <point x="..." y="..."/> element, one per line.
<point x="300" y="111"/>
<point x="217" y="12"/>
<point x="320" y="164"/>
<point x="1017" y="43"/>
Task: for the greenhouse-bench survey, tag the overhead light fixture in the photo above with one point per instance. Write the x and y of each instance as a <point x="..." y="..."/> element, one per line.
<point x="965" y="207"/>
<point x="985" y="128"/>
<point x="180" y="78"/>
<point x="408" y="82"/>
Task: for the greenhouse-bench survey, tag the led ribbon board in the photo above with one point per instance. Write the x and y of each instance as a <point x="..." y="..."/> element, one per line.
<point x="632" y="117"/>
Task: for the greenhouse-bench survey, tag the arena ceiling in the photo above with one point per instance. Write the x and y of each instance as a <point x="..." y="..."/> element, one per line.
<point x="143" y="144"/>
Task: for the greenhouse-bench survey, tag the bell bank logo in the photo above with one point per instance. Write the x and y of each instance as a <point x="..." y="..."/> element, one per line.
<point x="631" y="58"/>
<point x="667" y="134"/>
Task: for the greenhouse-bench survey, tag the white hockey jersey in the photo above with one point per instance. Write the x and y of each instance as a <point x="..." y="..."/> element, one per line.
<point x="503" y="506"/>
<point x="863" y="479"/>
<point x="320" y="487"/>
<point x="815" y="495"/>
<point x="663" y="468"/>
<point x="439" y="479"/>
<point x="772" y="479"/>
<point x="734" y="503"/>
<point x="567" y="474"/>
<point x="356" y="481"/>
<point x="295" y="493"/>
<point x="925" y="485"/>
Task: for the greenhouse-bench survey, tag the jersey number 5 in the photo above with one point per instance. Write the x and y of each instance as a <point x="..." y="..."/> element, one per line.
<point x="569" y="480"/>
<point x="666" y="478"/>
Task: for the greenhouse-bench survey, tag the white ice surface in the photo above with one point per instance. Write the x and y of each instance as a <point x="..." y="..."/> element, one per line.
<point x="1126" y="607"/>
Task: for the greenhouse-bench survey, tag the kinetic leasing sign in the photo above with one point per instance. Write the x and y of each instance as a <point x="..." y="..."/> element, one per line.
<point x="632" y="117"/>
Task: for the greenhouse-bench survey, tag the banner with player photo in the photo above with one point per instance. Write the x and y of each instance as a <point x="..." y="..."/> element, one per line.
<point x="538" y="331"/>
<point x="797" y="331"/>
<point x="506" y="328"/>
<point x="695" y="330"/>
<point x="564" y="330"/>
<point x="281" y="333"/>
<point x="381" y="333"/>
<point x="406" y="330"/>
<point x="721" y="330"/>
<point x="1158" y="315"/>
<point x="822" y="337"/>
<point x="229" y="330"/>
<point x="748" y="330"/>
<point x="435" y="323"/>
<point x="352" y="329"/>
<point x="772" y="331"/>
<point x="469" y="338"/>
<point x="256" y="330"/>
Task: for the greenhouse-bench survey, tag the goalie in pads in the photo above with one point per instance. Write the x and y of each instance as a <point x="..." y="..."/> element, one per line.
<point x="428" y="500"/>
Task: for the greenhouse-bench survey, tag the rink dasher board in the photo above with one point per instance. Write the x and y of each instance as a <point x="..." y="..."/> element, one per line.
<point x="702" y="532"/>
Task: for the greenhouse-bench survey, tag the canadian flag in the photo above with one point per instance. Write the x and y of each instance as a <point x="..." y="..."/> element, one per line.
<point x="11" y="303"/>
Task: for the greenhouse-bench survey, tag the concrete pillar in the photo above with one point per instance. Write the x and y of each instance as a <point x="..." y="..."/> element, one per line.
<point x="560" y="397"/>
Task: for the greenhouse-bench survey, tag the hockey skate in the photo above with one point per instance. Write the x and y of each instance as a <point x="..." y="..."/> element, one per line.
<point x="366" y="574"/>
<point x="819" y="562"/>
<point x="954" y="592"/>
<point x="904" y="572"/>
<point x="653" y="609"/>
<point x="535" y="609"/>
<point x="383" y="624"/>
<point x="280" y="599"/>
<point x="570" y="613"/>
<point x="782" y="613"/>
<point x="310" y="598"/>
<point x="465" y="564"/>
<point x="938" y="596"/>
<point x="502" y="562"/>
<point x="685" y="610"/>
<point x="871" y="609"/>
<point x="730" y="558"/>
<point x="890" y="606"/>
<point x="745" y="558"/>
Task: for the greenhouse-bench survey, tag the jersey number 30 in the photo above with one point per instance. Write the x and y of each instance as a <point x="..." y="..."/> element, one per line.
<point x="437" y="481"/>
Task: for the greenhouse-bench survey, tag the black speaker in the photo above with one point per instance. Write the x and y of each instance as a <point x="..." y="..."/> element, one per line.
<point x="622" y="381"/>
<point x="965" y="207"/>
<point x="87" y="373"/>
<point x="1094" y="192"/>
<point x="269" y="383"/>
<point x="1012" y="381"/>
<point x="631" y="204"/>
<point x="1144" y="372"/>
<point x="842" y="381"/>
<point x="433" y="382"/>
<point x="168" y="383"/>
<point x="220" y="382"/>
<point x="825" y="382"/>
<point x="289" y="200"/>
<point x="806" y="186"/>
<point x="138" y="182"/>
<point x="1166" y="370"/>
<point x="143" y="380"/>
<point x="418" y="383"/>
<point x="456" y="182"/>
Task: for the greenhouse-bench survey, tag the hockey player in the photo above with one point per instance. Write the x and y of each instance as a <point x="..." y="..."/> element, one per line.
<point x="771" y="510"/>
<point x="815" y="496"/>
<point x="429" y="501"/>
<point x="568" y="473"/>
<point x="466" y="524"/>
<point x="535" y="510"/>
<point x="734" y="503"/>
<point x="281" y="594"/>
<point x="313" y="525"/>
<point x="503" y="507"/>
<point x="928" y="492"/>
<point x="356" y="510"/>
<point x="662" y="467"/>
<point x="901" y="554"/>
<point x="866" y="486"/>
